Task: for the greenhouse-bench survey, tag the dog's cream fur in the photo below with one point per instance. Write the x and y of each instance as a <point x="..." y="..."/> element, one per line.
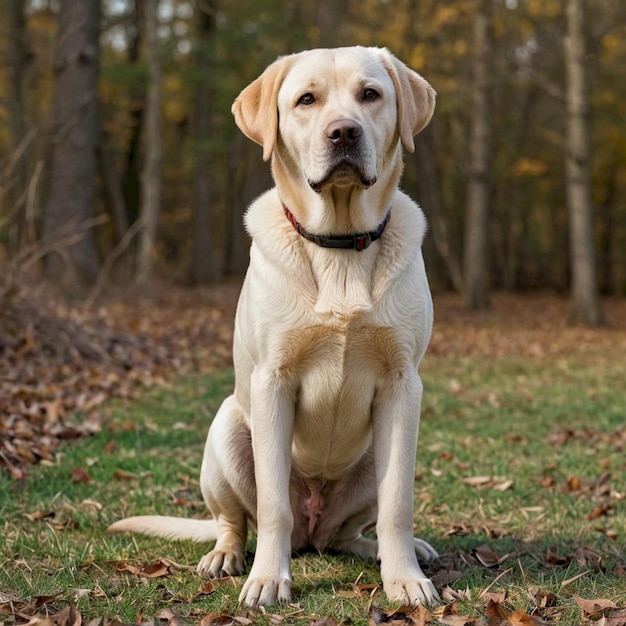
<point x="317" y="443"/>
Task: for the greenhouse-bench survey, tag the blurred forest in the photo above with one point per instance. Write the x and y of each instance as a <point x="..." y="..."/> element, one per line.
<point x="121" y="163"/>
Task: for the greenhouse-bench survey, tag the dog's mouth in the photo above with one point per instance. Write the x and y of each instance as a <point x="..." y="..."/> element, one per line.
<point x="343" y="173"/>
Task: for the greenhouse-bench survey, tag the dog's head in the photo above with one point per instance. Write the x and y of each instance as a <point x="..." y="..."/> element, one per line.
<point x="335" y="113"/>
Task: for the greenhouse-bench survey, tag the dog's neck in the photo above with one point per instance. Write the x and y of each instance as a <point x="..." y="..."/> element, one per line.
<point x="348" y="241"/>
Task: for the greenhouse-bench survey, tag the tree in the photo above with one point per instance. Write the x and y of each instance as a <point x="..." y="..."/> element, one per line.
<point x="585" y="304"/>
<point x="203" y="269"/>
<point x="434" y="205"/>
<point x="475" y="278"/>
<point x="151" y="173"/>
<point x="68" y="221"/>
<point x="17" y="61"/>
<point x="131" y="178"/>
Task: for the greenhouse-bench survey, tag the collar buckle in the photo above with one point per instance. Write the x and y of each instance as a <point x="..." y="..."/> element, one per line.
<point x="361" y="242"/>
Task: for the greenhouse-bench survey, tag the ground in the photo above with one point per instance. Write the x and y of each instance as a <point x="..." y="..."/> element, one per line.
<point x="519" y="483"/>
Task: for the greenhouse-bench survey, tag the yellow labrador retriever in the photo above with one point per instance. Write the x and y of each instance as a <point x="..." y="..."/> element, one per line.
<point x="317" y="443"/>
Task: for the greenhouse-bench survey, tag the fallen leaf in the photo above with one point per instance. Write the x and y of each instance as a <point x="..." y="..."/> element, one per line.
<point x="445" y="577"/>
<point x="489" y="482"/>
<point x="110" y="446"/>
<point x="458" y="620"/>
<point x="586" y="556"/>
<point x="78" y="594"/>
<point x="91" y="504"/>
<point x="544" y="599"/>
<point x="69" y="616"/>
<point x="496" y="609"/>
<point x="415" y="616"/>
<point x="573" y="484"/>
<point x="477" y="481"/>
<point x="158" y="569"/>
<point x="40" y="515"/>
<point x="598" y="512"/>
<point x="495" y="596"/>
<point x="123" y="475"/>
<point x="80" y="475"/>
<point x="594" y="609"/>
<point x="448" y="614"/>
<point x="523" y="619"/>
<point x="39" y="601"/>
<point x="39" y="620"/>
<point x="487" y="556"/>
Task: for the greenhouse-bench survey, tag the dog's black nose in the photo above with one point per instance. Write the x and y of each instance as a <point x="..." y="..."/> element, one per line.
<point x="344" y="132"/>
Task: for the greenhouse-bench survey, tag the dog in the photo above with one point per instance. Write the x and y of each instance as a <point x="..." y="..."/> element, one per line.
<point x="317" y="444"/>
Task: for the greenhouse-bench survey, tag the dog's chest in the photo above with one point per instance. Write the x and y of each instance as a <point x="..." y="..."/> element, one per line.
<point x="338" y="369"/>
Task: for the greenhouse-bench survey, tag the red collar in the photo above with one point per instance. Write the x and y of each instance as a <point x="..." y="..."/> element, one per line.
<point x="356" y="242"/>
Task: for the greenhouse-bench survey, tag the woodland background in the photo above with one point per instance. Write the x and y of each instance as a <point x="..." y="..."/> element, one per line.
<point x="123" y="181"/>
<point x="121" y="164"/>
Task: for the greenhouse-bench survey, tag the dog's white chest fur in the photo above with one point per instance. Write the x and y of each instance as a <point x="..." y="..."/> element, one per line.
<point x="336" y="326"/>
<point x="337" y="368"/>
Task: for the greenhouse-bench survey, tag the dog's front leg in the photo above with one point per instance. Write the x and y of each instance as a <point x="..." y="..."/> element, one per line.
<point x="272" y="415"/>
<point x="396" y="424"/>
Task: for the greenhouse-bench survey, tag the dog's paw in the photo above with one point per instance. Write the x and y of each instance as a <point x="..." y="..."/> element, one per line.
<point x="265" y="591"/>
<point x="424" y="550"/>
<point x="418" y="590"/>
<point x="219" y="563"/>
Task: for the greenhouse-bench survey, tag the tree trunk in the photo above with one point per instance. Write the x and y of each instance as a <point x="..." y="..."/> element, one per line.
<point x="68" y="212"/>
<point x="112" y="187"/>
<point x="203" y="268"/>
<point x="15" y="173"/>
<point x="131" y="183"/>
<point x="151" y="172"/>
<point x="249" y="176"/>
<point x="606" y="211"/>
<point x="435" y="206"/>
<point x="585" y="304"/>
<point x="476" y="277"/>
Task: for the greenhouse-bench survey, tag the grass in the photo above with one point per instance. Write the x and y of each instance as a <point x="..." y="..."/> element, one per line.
<point x="520" y="452"/>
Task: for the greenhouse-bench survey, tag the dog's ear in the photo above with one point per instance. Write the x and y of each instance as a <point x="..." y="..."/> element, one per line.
<point x="256" y="107"/>
<point x="415" y="99"/>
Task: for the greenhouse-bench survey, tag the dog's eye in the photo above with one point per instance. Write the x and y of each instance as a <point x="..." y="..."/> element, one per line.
<point x="306" y="99"/>
<point x="369" y="95"/>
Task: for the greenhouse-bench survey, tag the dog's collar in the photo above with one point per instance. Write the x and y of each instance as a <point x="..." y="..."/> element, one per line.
<point x="357" y="242"/>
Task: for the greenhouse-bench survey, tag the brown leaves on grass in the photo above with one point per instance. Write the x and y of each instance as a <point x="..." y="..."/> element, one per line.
<point x="534" y="326"/>
<point x="58" y="362"/>
<point x="496" y="614"/>
<point x="416" y="616"/>
<point x="158" y="569"/>
<point x="543" y="609"/>
<point x="602" y="611"/>
<point x="603" y="492"/>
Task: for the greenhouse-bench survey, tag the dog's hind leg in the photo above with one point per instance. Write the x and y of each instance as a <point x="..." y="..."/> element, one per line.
<point x="350" y="539"/>
<point x="227" y="484"/>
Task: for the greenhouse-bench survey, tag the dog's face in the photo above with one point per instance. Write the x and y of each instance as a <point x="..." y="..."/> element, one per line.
<point x="336" y="114"/>
<point x="337" y="117"/>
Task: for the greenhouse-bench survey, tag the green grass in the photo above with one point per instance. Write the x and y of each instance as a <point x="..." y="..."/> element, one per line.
<point x="506" y="418"/>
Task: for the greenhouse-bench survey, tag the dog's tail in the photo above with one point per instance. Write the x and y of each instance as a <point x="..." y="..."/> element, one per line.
<point x="174" y="528"/>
